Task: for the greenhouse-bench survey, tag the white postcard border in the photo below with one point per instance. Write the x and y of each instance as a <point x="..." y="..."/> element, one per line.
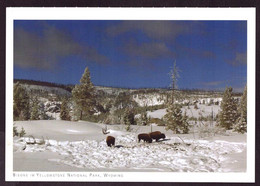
<point x="247" y="14"/>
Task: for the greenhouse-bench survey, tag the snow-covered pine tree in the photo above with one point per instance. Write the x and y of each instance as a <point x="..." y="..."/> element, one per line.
<point x="128" y="118"/>
<point x="83" y="95"/>
<point x="185" y="123"/>
<point x="35" y="111"/>
<point x="64" y="110"/>
<point x="21" y="103"/>
<point x="228" y="114"/>
<point x="241" y="125"/>
<point x="174" y="118"/>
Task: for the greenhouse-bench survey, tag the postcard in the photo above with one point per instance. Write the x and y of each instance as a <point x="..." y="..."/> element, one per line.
<point x="130" y="94"/>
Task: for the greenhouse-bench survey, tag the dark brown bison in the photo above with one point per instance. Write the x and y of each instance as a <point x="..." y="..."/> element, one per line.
<point x="144" y="137"/>
<point x="157" y="135"/>
<point x="110" y="141"/>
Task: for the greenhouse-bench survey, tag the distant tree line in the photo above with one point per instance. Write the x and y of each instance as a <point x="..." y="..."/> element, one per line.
<point x="43" y="83"/>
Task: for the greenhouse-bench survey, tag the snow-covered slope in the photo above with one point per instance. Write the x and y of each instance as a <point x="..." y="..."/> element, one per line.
<point x="61" y="130"/>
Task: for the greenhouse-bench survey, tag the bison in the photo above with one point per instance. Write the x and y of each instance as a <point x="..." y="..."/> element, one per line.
<point x="110" y="141"/>
<point x="144" y="137"/>
<point x="157" y="135"/>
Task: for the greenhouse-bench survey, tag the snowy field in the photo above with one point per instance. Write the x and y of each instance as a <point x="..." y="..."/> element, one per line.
<point x="81" y="146"/>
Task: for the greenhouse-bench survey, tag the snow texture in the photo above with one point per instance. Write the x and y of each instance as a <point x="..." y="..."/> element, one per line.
<point x="82" y="145"/>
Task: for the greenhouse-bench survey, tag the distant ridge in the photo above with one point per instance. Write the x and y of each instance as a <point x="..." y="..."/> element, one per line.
<point x="43" y="83"/>
<point x="69" y="87"/>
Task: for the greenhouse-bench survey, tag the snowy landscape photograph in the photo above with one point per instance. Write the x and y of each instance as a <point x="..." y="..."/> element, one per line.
<point x="121" y="96"/>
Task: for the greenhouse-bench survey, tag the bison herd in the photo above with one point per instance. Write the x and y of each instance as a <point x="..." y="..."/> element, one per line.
<point x="146" y="137"/>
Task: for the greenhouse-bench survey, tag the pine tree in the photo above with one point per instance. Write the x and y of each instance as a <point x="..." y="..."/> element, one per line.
<point x="228" y="114"/>
<point x="128" y="118"/>
<point x="174" y="118"/>
<point x="241" y="125"/>
<point x="35" y="112"/>
<point x="21" y="103"/>
<point x="185" y="124"/>
<point x="83" y="95"/>
<point x="64" y="111"/>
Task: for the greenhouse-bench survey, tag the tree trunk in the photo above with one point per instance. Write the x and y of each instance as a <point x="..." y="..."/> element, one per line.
<point x="80" y="115"/>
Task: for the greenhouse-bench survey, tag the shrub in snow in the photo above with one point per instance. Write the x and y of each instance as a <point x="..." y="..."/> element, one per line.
<point x="241" y="125"/>
<point x="128" y="127"/>
<point x="22" y="132"/>
<point x="196" y="106"/>
<point x="207" y="130"/>
<point x="228" y="114"/>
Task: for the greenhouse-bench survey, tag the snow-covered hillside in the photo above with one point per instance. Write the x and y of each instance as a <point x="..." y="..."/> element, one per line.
<point x="203" y="110"/>
<point x="81" y="146"/>
<point x="149" y="99"/>
<point x="159" y="99"/>
<point x="51" y="90"/>
<point x="112" y="90"/>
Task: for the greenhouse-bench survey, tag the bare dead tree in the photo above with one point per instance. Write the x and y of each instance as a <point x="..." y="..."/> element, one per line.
<point x="104" y="130"/>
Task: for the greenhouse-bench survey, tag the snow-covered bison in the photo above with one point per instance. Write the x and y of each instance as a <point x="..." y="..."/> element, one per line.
<point x="110" y="141"/>
<point x="145" y="137"/>
<point x="157" y="135"/>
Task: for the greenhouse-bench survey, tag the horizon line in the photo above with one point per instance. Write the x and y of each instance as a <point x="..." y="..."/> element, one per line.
<point x="126" y="87"/>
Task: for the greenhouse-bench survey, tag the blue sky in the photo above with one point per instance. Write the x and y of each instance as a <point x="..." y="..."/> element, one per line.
<point x="210" y="54"/>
